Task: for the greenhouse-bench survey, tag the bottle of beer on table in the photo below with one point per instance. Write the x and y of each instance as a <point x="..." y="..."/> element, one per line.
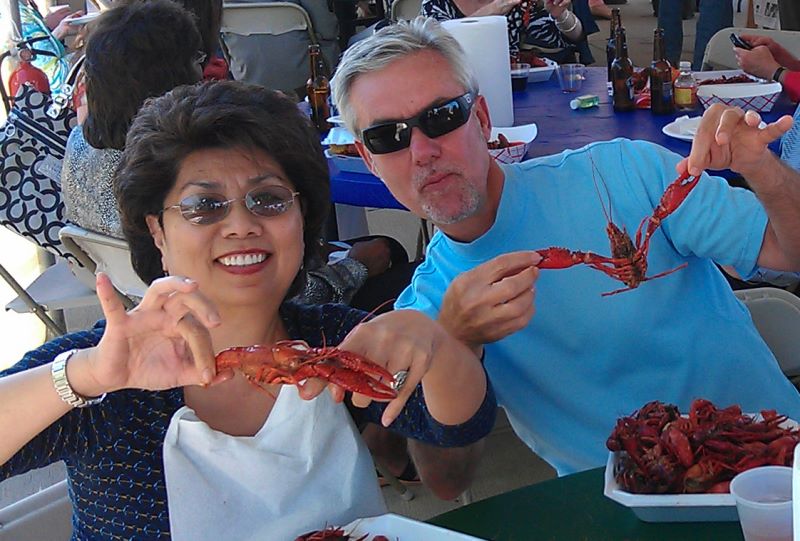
<point x="611" y="48"/>
<point x="318" y="89"/>
<point x="660" y="78"/>
<point x="622" y="75"/>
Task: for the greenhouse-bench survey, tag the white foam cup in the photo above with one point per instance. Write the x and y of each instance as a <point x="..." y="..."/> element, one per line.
<point x="764" y="503"/>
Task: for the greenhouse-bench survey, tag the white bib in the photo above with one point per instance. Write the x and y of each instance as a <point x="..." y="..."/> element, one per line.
<point x="305" y="469"/>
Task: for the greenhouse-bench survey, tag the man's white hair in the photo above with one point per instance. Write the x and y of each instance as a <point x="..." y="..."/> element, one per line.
<point x="393" y="43"/>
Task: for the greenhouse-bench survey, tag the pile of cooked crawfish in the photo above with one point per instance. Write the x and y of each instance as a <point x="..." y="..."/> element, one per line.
<point x="502" y="142"/>
<point x="662" y="452"/>
<point x="332" y="533"/>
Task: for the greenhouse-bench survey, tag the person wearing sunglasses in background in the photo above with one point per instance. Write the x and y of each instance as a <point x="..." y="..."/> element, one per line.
<point x="566" y="375"/>
<point x="223" y="191"/>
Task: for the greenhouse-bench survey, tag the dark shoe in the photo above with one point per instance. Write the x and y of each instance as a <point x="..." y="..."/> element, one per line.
<point x="408" y="477"/>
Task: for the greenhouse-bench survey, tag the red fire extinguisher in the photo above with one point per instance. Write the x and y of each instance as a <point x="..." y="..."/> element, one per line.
<point x="27" y="73"/>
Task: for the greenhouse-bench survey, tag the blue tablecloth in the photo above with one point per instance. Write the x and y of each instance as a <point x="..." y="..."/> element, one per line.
<point x="560" y="128"/>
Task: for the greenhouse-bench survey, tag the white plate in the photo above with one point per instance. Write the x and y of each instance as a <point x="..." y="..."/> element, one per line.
<point x="796" y="493"/>
<point x="674" y="507"/>
<point x="336" y="119"/>
<point x="402" y="528"/>
<point x="339" y="136"/>
<point x="351" y="164"/>
<point x="83" y="19"/>
<point x="685" y="127"/>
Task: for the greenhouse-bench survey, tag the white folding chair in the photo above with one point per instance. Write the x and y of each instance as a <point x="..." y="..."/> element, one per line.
<point x="44" y="516"/>
<point x="103" y="253"/>
<point x="405" y="9"/>
<point x="776" y="314"/>
<point x="267" y="43"/>
<point x="56" y="288"/>
<point x="719" y="50"/>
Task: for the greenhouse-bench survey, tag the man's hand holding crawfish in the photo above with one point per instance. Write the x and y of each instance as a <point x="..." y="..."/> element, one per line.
<point x="491" y="301"/>
<point x="452" y="377"/>
<point x="729" y="138"/>
<point x="161" y="344"/>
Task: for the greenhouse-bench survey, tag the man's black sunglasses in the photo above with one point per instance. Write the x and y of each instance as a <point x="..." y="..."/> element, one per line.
<point x="433" y="122"/>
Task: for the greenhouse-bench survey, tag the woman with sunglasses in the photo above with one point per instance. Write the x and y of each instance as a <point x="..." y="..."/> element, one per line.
<point x="222" y="190"/>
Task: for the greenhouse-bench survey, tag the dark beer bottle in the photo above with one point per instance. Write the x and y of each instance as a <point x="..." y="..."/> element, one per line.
<point x="611" y="48"/>
<point x="660" y="78"/>
<point x="318" y="89"/>
<point x="622" y="75"/>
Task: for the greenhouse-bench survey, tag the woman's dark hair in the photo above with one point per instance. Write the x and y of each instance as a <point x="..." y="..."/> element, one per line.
<point x="225" y="114"/>
<point x="208" y="15"/>
<point x="135" y="51"/>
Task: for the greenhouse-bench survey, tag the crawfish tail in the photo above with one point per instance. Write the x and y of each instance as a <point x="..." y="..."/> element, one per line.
<point x="243" y="356"/>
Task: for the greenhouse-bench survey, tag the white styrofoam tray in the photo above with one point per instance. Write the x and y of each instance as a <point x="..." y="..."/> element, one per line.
<point x="670" y="507"/>
<point x="537" y="75"/>
<point x="402" y="528"/>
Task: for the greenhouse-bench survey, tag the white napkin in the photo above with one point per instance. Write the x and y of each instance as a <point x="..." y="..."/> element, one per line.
<point x="306" y="468"/>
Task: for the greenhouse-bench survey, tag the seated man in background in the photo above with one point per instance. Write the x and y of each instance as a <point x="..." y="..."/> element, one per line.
<point x="567" y="374"/>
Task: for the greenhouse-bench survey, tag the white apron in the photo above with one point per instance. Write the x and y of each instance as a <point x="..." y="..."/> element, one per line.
<point x="306" y="468"/>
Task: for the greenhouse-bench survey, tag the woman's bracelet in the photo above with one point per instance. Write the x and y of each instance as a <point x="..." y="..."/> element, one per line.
<point x="575" y="21"/>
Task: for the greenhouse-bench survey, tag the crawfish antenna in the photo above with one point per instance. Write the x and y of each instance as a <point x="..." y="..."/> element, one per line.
<point x="606" y="211"/>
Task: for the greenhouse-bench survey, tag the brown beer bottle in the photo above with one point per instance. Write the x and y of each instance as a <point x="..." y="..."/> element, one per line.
<point x="660" y="78"/>
<point x="611" y="48"/>
<point x="622" y="75"/>
<point x="318" y="89"/>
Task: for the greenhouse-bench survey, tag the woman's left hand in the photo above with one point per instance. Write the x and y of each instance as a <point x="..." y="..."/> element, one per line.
<point x="408" y="340"/>
<point x="556" y="7"/>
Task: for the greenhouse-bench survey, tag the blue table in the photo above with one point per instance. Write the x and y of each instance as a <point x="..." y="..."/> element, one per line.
<point x="560" y="128"/>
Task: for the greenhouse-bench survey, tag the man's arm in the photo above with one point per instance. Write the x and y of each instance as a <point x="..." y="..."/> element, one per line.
<point x="446" y="471"/>
<point x="728" y="138"/>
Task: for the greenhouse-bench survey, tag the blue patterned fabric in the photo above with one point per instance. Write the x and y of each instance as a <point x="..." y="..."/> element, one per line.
<point x="113" y="451"/>
<point x="790" y="144"/>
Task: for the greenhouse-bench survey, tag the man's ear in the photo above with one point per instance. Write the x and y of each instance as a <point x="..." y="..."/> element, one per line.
<point x="367" y="157"/>
<point x="482" y="112"/>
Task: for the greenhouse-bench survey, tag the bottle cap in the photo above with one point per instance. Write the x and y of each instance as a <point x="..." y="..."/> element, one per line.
<point x="685" y="64"/>
<point x="573" y="104"/>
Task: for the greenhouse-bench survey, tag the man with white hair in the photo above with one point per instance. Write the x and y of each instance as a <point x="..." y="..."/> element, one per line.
<point x="565" y="375"/>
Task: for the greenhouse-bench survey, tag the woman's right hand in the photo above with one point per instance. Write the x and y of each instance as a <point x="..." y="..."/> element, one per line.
<point x="779" y="53"/>
<point x="162" y="343"/>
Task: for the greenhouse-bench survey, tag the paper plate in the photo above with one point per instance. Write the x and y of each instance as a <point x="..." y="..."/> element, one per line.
<point x="396" y="527"/>
<point x="515" y="134"/>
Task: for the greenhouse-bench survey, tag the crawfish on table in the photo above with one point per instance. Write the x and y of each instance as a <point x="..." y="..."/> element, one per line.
<point x="292" y="361"/>
<point x="332" y="533"/>
<point x="628" y="261"/>
<point x="660" y="451"/>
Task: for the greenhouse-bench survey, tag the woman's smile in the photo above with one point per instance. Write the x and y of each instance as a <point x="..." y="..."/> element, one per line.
<point x="244" y="261"/>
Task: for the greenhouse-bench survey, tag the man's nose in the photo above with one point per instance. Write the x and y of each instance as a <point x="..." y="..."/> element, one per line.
<point x="423" y="148"/>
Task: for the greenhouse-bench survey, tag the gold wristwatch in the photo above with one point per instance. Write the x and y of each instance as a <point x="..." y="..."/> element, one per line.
<point x="61" y="383"/>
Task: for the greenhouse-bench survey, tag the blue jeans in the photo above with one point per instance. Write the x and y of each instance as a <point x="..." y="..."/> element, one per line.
<point x="670" y="18"/>
<point x="714" y="16"/>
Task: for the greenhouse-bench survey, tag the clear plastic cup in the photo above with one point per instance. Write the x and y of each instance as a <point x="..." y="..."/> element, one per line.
<point x="571" y="76"/>
<point x="764" y="503"/>
<point x="519" y="76"/>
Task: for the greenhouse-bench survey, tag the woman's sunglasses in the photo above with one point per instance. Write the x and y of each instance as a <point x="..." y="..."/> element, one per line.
<point x="209" y="208"/>
<point x="434" y="122"/>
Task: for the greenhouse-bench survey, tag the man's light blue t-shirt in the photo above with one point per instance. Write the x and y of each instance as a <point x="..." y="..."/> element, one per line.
<point x="585" y="360"/>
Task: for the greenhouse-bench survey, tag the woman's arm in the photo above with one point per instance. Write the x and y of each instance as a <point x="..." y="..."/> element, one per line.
<point x="566" y="21"/>
<point x="160" y="344"/>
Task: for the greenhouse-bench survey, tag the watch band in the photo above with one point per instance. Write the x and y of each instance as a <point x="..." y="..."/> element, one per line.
<point x="59" y="372"/>
<point x="777" y="75"/>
